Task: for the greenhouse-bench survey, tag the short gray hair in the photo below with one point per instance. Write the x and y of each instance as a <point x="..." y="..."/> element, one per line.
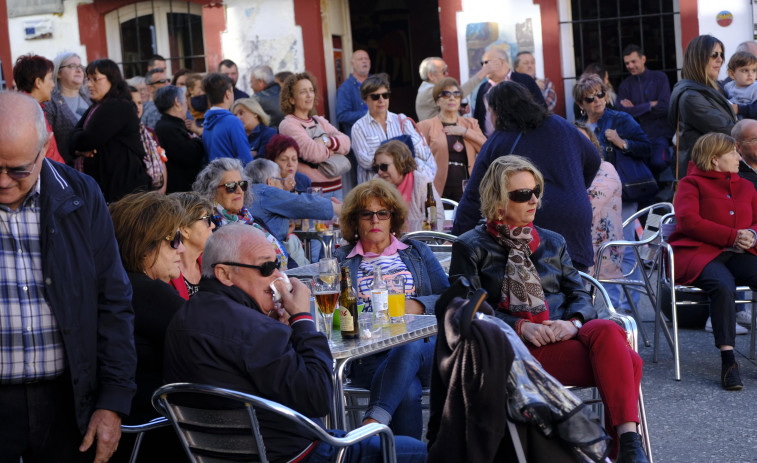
<point x="744" y="46"/>
<point x="225" y="245"/>
<point x="502" y="54"/>
<point x="260" y="170"/>
<point x="136" y="81"/>
<point x="12" y="104"/>
<point x="165" y="97"/>
<point x="210" y="177"/>
<point x="58" y="61"/>
<point x="428" y="65"/>
<point x="264" y="73"/>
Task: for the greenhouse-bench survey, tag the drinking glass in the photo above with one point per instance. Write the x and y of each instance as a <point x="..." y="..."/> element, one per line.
<point x="326" y="298"/>
<point x="328" y="270"/>
<point x="397" y="299"/>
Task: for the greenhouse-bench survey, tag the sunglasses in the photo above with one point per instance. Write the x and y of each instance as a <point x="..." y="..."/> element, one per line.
<point x="381" y="167"/>
<point x="524" y="196"/>
<point x="383" y="214"/>
<point x="175" y="240"/>
<point x="489" y="61"/>
<point x="590" y="99"/>
<point x="715" y="54"/>
<point x="161" y="81"/>
<point x="448" y="94"/>
<point x="207" y="218"/>
<point x="231" y="187"/>
<point x="265" y="270"/>
<point x="376" y="96"/>
<point x="17" y="173"/>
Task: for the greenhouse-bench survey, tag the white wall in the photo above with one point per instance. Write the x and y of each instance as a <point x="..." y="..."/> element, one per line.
<point x="65" y="34"/>
<point x="740" y="30"/>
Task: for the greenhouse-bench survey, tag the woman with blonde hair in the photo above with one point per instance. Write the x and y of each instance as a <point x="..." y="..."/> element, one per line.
<point x="196" y="227"/>
<point x="255" y="122"/>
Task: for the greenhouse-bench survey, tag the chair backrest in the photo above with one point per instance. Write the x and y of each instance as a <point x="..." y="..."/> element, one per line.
<point x="652" y="217"/>
<point x="216" y="424"/>
<point x="606" y="310"/>
<point x="449" y="214"/>
<point x="436" y="241"/>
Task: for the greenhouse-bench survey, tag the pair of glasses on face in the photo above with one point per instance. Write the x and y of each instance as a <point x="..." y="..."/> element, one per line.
<point x="94" y="79"/>
<point x="383" y="214"/>
<point x="158" y="82"/>
<point x="448" y="94"/>
<point x="489" y="61"/>
<point x="73" y="67"/>
<point x="715" y="54"/>
<point x="207" y="218"/>
<point x="524" y="195"/>
<point x="231" y="187"/>
<point x="265" y="270"/>
<point x="175" y="240"/>
<point x="17" y="173"/>
<point x="590" y="99"/>
<point x="376" y="96"/>
<point x="381" y="167"/>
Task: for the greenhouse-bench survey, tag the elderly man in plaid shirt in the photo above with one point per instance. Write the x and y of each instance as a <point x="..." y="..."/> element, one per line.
<point x="67" y="356"/>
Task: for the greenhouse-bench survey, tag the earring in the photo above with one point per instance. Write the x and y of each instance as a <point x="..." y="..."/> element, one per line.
<point x="583" y="113"/>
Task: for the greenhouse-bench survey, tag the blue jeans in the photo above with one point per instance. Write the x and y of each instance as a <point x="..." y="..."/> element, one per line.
<point x="616" y="293"/>
<point x="396" y="379"/>
<point x="409" y="450"/>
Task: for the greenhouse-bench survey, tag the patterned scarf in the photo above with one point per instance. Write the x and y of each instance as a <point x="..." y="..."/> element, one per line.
<point x="522" y="293"/>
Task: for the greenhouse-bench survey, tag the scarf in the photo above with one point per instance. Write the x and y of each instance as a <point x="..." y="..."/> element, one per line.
<point x="222" y="217"/>
<point x="522" y="293"/>
<point x="406" y="187"/>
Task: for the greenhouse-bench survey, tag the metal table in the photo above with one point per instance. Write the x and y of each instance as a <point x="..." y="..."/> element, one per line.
<point x="345" y="351"/>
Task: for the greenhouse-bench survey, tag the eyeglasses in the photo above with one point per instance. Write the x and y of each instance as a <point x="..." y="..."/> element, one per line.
<point x="483" y="63"/>
<point x="17" y="173"/>
<point x="383" y="214"/>
<point x="279" y="179"/>
<point x="161" y="81"/>
<point x="175" y="240"/>
<point x="715" y="54"/>
<point x="73" y="67"/>
<point x="265" y="270"/>
<point x="376" y="96"/>
<point x="377" y="167"/>
<point x="751" y="141"/>
<point x="524" y="196"/>
<point x="94" y="79"/>
<point x="208" y="218"/>
<point x="448" y="94"/>
<point x="231" y="187"/>
<point x="590" y="99"/>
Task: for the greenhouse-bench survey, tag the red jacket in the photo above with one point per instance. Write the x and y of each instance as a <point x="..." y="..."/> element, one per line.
<point x="710" y="207"/>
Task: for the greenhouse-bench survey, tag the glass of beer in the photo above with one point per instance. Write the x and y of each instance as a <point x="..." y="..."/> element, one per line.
<point x="397" y="299"/>
<point x="326" y="298"/>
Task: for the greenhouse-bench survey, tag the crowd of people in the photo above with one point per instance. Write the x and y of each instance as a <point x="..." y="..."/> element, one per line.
<point x="130" y="207"/>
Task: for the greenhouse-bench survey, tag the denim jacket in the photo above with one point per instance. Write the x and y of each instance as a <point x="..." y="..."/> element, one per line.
<point x="628" y="129"/>
<point x="429" y="276"/>
<point x="276" y="207"/>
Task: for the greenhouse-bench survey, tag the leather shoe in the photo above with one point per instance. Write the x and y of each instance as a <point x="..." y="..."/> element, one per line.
<point x="731" y="378"/>
<point x="631" y="450"/>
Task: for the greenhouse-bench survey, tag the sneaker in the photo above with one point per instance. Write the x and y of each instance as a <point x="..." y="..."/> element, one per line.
<point x="744" y="317"/>
<point x="739" y="329"/>
<point x="731" y="378"/>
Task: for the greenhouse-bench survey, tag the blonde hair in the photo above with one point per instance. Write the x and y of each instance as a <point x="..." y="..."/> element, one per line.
<point x="252" y="105"/>
<point x="495" y="184"/>
<point x="708" y="147"/>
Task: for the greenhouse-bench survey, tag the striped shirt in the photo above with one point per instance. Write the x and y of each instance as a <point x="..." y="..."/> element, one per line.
<point x="391" y="266"/>
<point x="368" y="134"/>
<point x="31" y="346"/>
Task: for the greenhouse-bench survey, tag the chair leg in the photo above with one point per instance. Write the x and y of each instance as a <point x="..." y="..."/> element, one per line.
<point x="636" y="315"/>
<point x="135" y="450"/>
<point x="753" y="333"/>
<point x="643" y="425"/>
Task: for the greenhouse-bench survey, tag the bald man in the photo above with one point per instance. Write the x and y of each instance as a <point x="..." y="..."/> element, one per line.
<point x="349" y="106"/>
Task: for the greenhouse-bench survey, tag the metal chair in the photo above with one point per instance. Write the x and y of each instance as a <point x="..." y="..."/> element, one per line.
<point x="646" y="249"/>
<point x="666" y="278"/>
<point x="436" y="241"/>
<point x="140" y="430"/>
<point x="232" y="432"/>
<point x="449" y="214"/>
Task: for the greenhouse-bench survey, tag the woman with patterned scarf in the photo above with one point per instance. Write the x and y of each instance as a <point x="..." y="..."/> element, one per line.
<point x="533" y="286"/>
<point x="224" y="183"/>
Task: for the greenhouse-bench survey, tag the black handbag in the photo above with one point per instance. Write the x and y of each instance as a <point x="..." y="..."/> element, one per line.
<point x="638" y="181"/>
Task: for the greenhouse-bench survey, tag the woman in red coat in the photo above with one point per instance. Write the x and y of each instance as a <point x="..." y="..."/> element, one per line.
<point x="716" y="215"/>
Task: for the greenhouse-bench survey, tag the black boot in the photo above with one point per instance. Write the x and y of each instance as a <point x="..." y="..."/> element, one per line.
<point x="631" y="450"/>
<point x="730" y="377"/>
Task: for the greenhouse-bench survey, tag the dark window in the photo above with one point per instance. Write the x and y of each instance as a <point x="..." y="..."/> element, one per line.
<point x="137" y="44"/>
<point x="185" y="39"/>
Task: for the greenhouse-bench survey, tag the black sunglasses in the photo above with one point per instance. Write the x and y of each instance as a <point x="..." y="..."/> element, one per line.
<point x="208" y="218"/>
<point x="715" y="54"/>
<point x="175" y="240"/>
<point x="231" y="187"/>
<point x="265" y="270"/>
<point x="17" y="173"/>
<point x="383" y="214"/>
<point x="377" y="167"/>
<point x="376" y="96"/>
<point x="524" y="196"/>
<point x="590" y="99"/>
<point x="447" y="94"/>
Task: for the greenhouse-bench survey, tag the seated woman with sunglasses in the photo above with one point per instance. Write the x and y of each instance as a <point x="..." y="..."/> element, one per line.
<point x="147" y="228"/>
<point x="224" y="183"/>
<point x="196" y="227"/>
<point x="454" y="140"/>
<point x="380" y="125"/>
<point x="533" y="286"/>
<point x="372" y="219"/>
<point x="394" y="163"/>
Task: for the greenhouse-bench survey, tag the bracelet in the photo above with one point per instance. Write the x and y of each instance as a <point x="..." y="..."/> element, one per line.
<point x="519" y="327"/>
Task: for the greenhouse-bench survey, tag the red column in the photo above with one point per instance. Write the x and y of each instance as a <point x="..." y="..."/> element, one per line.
<point x="448" y="10"/>
<point x="5" y="45"/>
<point x="213" y="24"/>
<point x="689" y="21"/>
<point x="92" y="31"/>
<point x="307" y="15"/>
<point x="550" y="39"/>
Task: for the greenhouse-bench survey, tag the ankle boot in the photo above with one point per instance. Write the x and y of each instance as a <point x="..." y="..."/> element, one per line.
<point x="730" y="377"/>
<point x="631" y="450"/>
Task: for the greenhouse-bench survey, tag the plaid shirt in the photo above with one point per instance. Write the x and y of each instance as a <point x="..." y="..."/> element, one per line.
<point x="31" y="346"/>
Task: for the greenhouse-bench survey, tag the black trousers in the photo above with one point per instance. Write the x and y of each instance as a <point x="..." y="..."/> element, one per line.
<point x="719" y="280"/>
<point x="38" y="423"/>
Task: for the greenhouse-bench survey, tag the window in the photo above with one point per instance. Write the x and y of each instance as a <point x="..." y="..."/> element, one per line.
<point x="170" y="28"/>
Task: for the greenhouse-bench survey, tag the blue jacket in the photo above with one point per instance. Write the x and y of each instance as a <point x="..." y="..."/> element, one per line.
<point x="429" y="276"/>
<point x="224" y="136"/>
<point x="276" y="207"/>
<point x="628" y="129"/>
<point x="259" y="139"/>
<point x="349" y="106"/>
<point x="88" y="291"/>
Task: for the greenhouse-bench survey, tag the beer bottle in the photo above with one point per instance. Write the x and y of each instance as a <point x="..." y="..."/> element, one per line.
<point x="429" y="222"/>
<point x="348" y="307"/>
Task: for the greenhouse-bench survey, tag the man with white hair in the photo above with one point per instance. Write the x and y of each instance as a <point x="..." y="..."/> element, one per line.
<point x="67" y="356"/>
<point x="267" y="93"/>
<point x="431" y="70"/>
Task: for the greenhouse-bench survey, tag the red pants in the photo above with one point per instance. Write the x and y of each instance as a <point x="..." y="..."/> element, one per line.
<point x="598" y="356"/>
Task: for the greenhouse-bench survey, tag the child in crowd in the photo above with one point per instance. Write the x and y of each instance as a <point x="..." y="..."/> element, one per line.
<point x="742" y="68"/>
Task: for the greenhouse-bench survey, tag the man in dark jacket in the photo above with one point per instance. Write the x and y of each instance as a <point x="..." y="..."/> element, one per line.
<point x="745" y="133"/>
<point x="67" y="357"/>
<point x="267" y="93"/>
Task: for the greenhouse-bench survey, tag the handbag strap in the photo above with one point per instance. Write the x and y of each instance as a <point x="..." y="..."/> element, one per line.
<point x="402" y="119"/>
<point x="678" y="142"/>
<point x="512" y="150"/>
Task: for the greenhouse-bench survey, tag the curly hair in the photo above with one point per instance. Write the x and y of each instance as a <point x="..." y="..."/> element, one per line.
<point x="358" y="199"/>
<point x="400" y="153"/>
<point x="287" y="92"/>
<point x="515" y="108"/>
<point x="210" y="176"/>
<point x="495" y="184"/>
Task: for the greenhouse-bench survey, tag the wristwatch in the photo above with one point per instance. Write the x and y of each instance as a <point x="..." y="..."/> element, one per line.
<point x="326" y="140"/>
<point x="576" y="322"/>
<point x="625" y="146"/>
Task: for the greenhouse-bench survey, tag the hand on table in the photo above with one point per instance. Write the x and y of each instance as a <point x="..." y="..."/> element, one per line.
<point x="414" y="307"/>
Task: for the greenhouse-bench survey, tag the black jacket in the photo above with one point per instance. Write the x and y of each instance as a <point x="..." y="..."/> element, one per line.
<point x="184" y="153"/>
<point x="748" y="173"/>
<point x="479" y="257"/>
<point x="527" y="81"/>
